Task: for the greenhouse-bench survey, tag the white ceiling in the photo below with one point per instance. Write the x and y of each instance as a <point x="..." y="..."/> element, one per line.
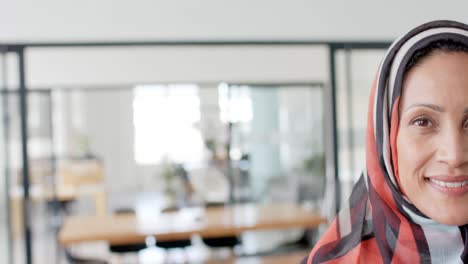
<point x="88" y="20"/>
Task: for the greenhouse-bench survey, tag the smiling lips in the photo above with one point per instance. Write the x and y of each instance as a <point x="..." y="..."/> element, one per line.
<point x="449" y="185"/>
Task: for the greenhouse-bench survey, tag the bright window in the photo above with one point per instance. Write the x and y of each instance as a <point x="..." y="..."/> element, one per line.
<point x="165" y="119"/>
<point x="235" y="103"/>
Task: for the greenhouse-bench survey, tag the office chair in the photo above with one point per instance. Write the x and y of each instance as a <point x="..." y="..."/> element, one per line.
<point x="220" y="242"/>
<point x="183" y="243"/>
<point x="129" y="247"/>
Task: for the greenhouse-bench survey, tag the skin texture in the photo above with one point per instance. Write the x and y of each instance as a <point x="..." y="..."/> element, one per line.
<point x="432" y="139"/>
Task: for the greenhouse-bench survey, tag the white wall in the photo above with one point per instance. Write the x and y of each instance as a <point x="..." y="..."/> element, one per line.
<point x="110" y="66"/>
<point x="45" y="20"/>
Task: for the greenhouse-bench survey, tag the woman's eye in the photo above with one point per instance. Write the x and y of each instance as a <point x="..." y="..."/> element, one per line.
<point x="465" y="125"/>
<point x="424" y="122"/>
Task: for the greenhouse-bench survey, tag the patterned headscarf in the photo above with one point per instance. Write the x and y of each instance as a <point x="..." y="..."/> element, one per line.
<point x="379" y="224"/>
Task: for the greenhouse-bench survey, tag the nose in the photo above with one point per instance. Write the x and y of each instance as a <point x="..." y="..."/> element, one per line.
<point x="453" y="148"/>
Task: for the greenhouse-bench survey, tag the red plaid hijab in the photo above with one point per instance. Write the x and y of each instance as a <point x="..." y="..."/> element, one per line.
<point x="379" y="224"/>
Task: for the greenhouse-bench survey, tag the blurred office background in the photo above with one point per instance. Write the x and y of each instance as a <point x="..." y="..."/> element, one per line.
<point x="173" y="123"/>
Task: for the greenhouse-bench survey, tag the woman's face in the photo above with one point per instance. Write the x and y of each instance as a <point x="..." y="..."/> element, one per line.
<point x="432" y="140"/>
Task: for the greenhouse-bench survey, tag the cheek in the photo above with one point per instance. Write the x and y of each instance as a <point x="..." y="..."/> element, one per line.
<point x="413" y="156"/>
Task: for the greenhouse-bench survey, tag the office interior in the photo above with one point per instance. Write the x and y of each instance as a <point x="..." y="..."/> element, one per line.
<point x="190" y="117"/>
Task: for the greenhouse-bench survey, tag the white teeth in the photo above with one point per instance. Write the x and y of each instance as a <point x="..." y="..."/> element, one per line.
<point x="449" y="184"/>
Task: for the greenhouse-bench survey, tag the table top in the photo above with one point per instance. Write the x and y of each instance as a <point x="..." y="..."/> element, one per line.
<point x="62" y="193"/>
<point x="209" y="222"/>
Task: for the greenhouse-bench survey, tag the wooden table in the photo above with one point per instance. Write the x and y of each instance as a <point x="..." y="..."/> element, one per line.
<point x="211" y="222"/>
<point x="40" y="194"/>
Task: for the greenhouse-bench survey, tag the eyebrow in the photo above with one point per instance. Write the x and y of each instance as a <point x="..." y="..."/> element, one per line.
<point x="433" y="107"/>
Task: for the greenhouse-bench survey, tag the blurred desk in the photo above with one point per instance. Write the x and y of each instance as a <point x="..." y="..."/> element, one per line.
<point x="40" y="193"/>
<point x="62" y="194"/>
<point x="210" y="222"/>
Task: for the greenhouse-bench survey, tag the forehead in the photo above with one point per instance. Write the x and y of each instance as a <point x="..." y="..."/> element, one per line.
<point x="440" y="77"/>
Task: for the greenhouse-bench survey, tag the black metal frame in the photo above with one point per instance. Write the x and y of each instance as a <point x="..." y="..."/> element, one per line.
<point x="19" y="49"/>
<point x="334" y="48"/>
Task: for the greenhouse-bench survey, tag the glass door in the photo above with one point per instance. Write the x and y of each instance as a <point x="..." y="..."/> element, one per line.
<point x="355" y="71"/>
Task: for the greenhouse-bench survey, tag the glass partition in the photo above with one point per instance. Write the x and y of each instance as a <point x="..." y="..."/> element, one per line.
<point x="5" y="231"/>
<point x="43" y="210"/>
<point x="236" y="143"/>
<point x="276" y="141"/>
<point x="355" y="71"/>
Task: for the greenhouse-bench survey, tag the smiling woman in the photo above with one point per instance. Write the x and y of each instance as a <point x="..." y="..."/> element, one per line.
<point x="410" y="204"/>
<point x="432" y="140"/>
